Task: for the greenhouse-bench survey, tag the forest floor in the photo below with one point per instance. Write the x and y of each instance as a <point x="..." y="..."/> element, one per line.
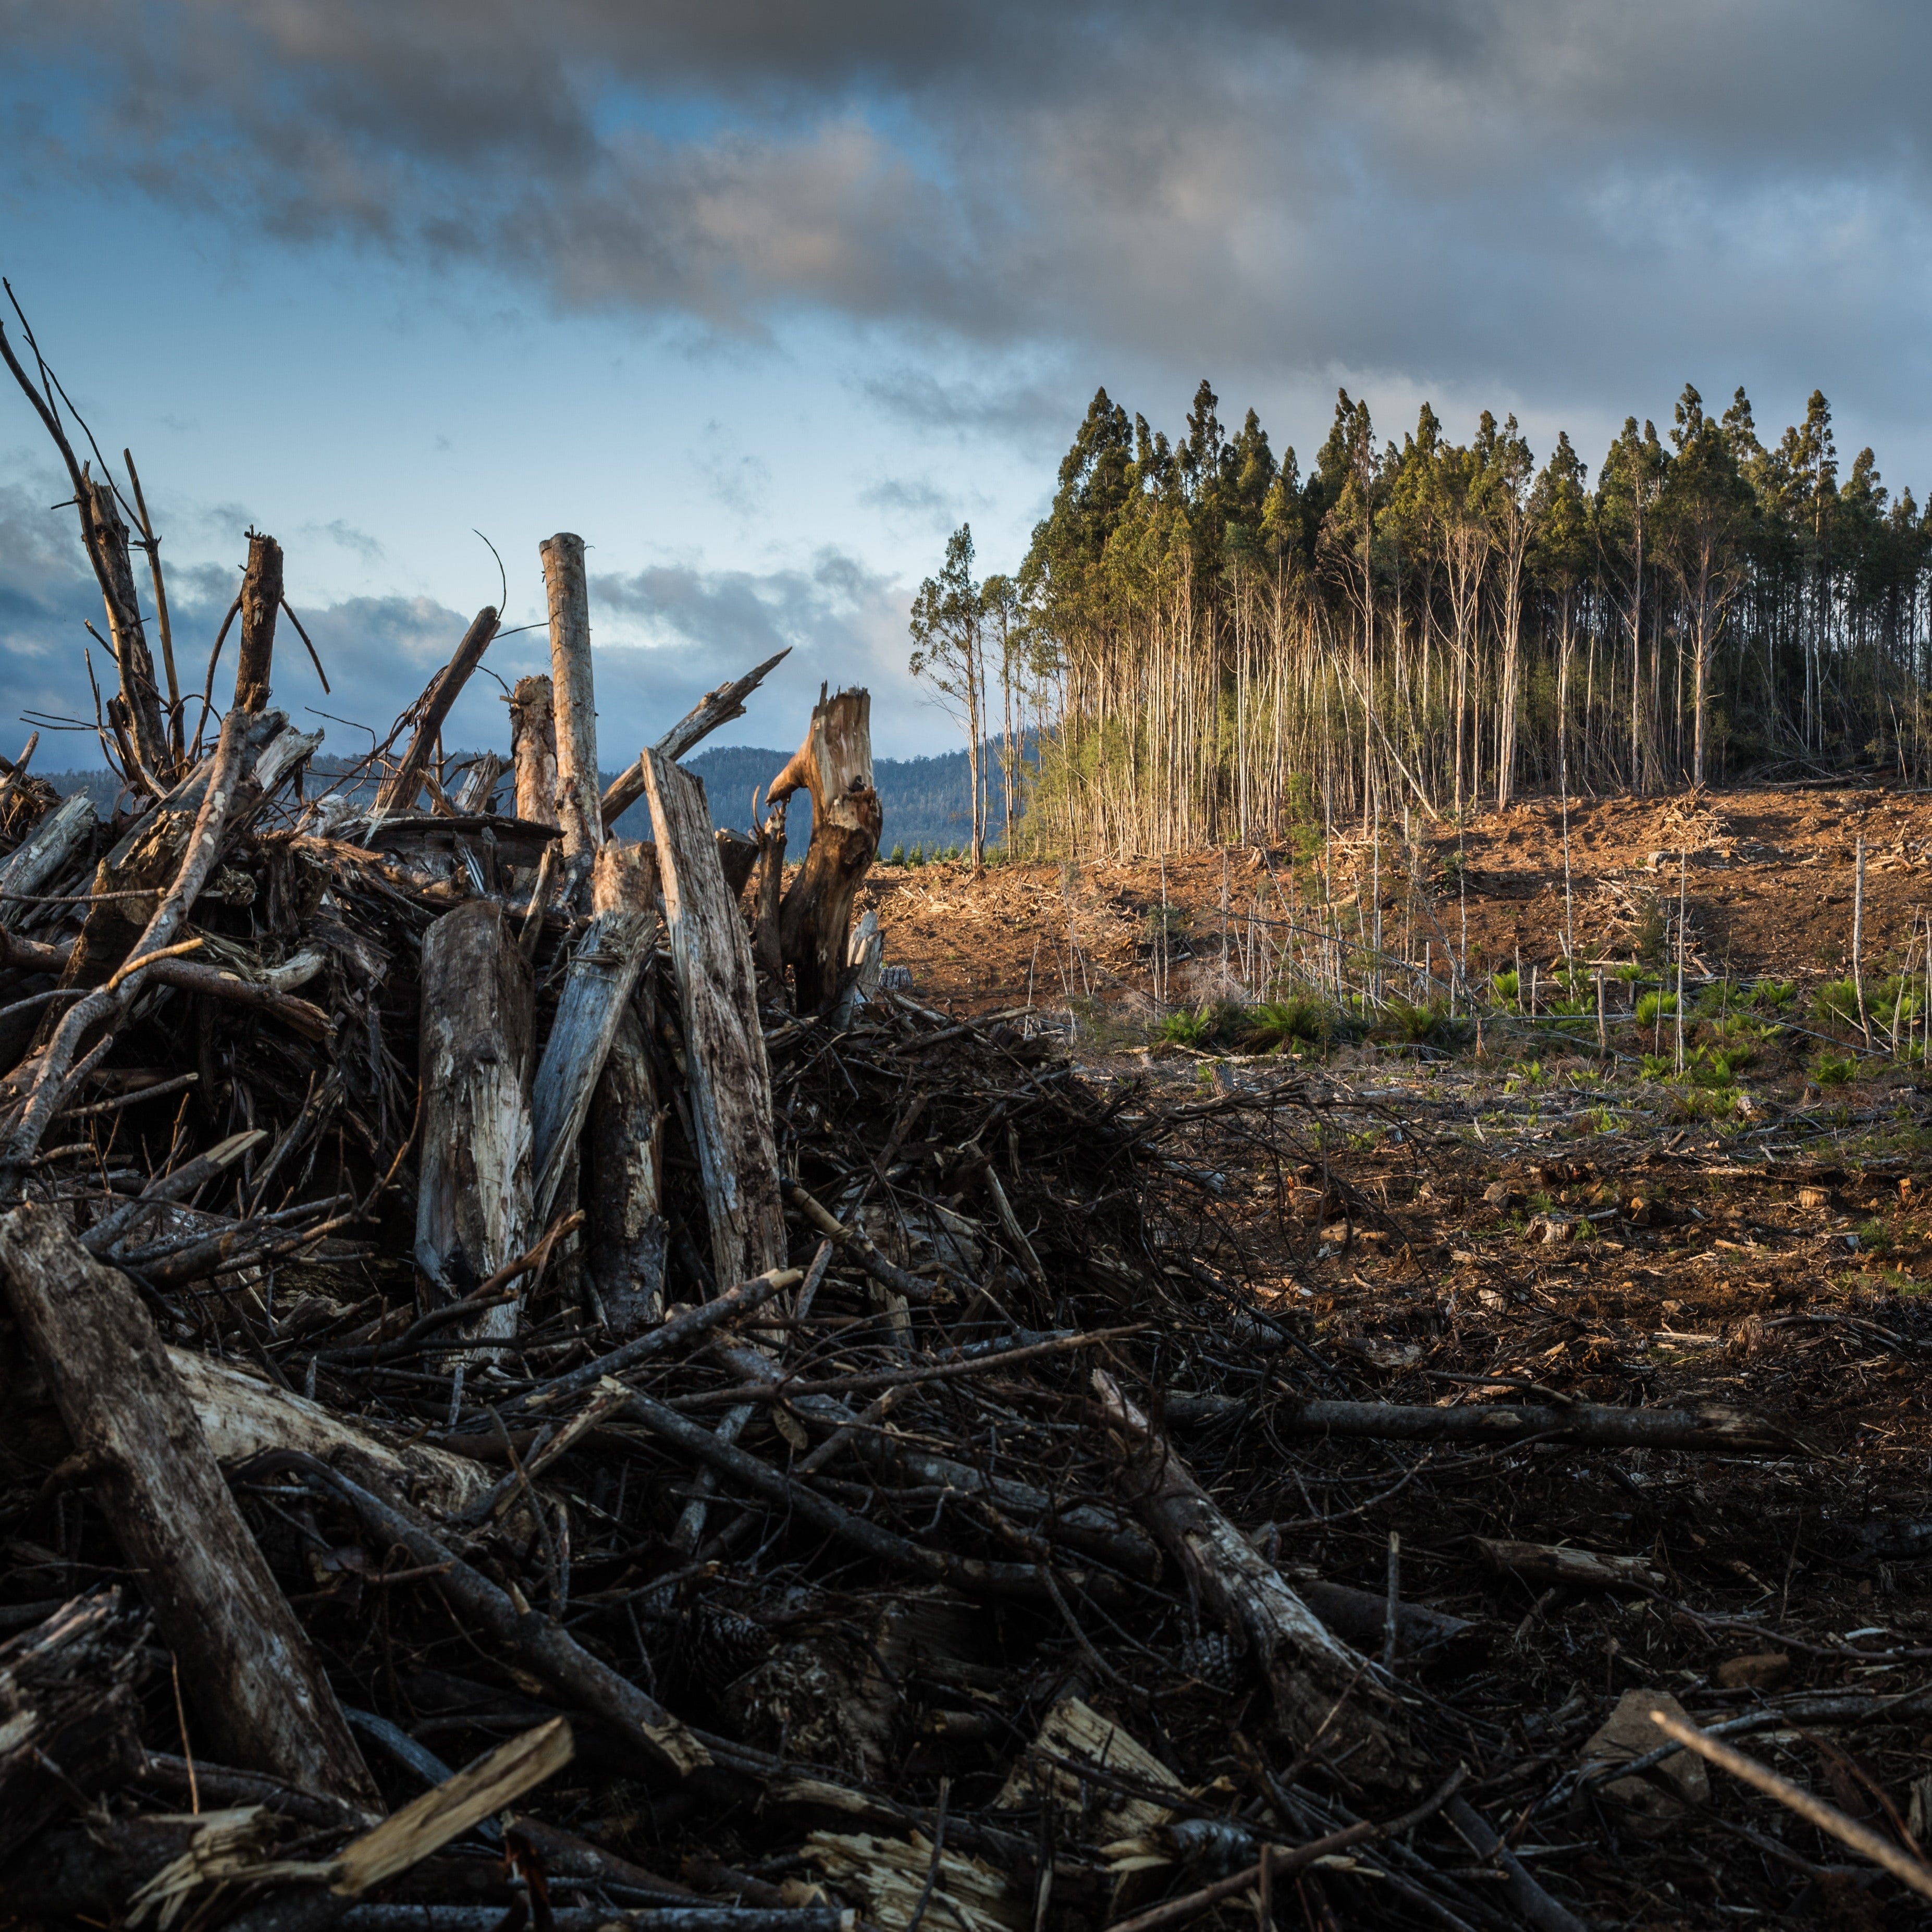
<point x="1445" y="1225"/>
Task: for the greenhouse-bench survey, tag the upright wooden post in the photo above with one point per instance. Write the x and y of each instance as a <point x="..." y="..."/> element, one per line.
<point x="579" y="810"/>
<point x="835" y="764"/>
<point x="261" y="602"/>
<point x="106" y="537"/>
<point x="473" y="1201"/>
<point x="730" y="1080"/>
<point x="533" y="750"/>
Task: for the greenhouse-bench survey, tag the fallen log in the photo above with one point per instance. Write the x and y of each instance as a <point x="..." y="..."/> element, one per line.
<point x="246" y="1665"/>
<point x="1552" y="1564"/>
<point x="729" y="1079"/>
<point x="474" y="1199"/>
<point x="1710" y="1426"/>
<point x="1317" y="1683"/>
<point x="43" y="854"/>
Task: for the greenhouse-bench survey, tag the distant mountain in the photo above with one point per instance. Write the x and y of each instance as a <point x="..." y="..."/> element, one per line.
<point x="927" y="802"/>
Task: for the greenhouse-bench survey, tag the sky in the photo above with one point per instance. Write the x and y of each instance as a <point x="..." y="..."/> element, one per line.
<point x="764" y="300"/>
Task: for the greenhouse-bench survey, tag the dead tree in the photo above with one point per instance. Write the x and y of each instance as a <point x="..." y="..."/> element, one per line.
<point x="261" y="601"/>
<point x="834" y="764"/>
<point x="398" y="791"/>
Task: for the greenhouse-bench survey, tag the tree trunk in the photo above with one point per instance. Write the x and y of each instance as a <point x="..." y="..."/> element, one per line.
<point x="579" y="809"/>
<point x="261" y="601"/>
<point x="533" y="750"/>
<point x="835" y="764"/>
<point x="473" y="1204"/>
<point x="41" y="856"/>
<point x="247" y="1665"/>
<point x="730" y="1082"/>
<point x="602" y="974"/>
<point x="767" y="898"/>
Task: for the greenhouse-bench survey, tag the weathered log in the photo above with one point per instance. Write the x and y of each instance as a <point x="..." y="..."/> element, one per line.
<point x="66" y="1701"/>
<point x="625" y="1231"/>
<point x="729" y="1079"/>
<point x="474" y="1195"/>
<point x="106" y="537"/>
<point x="245" y="1663"/>
<point x="602" y="974"/>
<point x="533" y="749"/>
<point x="767" y="897"/>
<point x="714" y="708"/>
<point x="42" y="855"/>
<point x="1550" y="1564"/>
<point x="261" y="603"/>
<point x="835" y="764"/>
<point x="579" y="810"/>
<point x="1317" y="1683"/>
<point x="1707" y="1425"/>
<point x="398" y="791"/>
<point x="474" y="795"/>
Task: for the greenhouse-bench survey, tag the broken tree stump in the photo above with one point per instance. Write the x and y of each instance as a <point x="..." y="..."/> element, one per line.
<point x="398" y="791"/>
<point x="533" y="749"/>
<point x="579" y="809"/>
<point x="246" y="1665"/>
<point x="473" y="1201"/>
<point x="730" y="1080"/>
<point x="261" y="601"/>
<point x="835" y="764"/>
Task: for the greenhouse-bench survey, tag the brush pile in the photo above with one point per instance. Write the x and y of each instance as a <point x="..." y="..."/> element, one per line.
<point x="536" y="1388"/>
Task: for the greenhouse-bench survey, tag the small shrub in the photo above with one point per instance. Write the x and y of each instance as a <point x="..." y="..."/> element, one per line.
<point x="1275" y="1023"/>
<point x="1874" y="1234"/>
<point x="1185" y="1029"/>
<point x="1507" y="986"/>
<point x="1628" y="974"/>
<point x="1776" y="994"/>
<point x="1713" y="1001"/>
<point x="1658" y="1066"/>
<point x="1836" y="1003"/>
<point x="1417" y="1026"/>
<point x="1835" y="1069"/>
<point x="1654" y="1007"/>
<point x="899" y="857"/>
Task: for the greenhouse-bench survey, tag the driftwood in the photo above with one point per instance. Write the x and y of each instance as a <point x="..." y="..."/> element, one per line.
<point x="729" y="1081"/>
<point x="579" y="810"/>
<point x="473" y="1202"/>
<point x="1711" y="1427"/>
<point x="43" y="854"/>
<point x="834" y="764"/>
<point x="247" y="1666"/>
<point x="1579" y="1569"/>
<point x="261" y="603"/>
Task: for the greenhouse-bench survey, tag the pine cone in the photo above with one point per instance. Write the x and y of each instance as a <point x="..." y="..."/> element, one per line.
<point x="1212" y="1659"/>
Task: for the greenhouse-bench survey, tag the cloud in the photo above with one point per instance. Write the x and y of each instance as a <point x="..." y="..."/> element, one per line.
<point x="1532" y="193"/>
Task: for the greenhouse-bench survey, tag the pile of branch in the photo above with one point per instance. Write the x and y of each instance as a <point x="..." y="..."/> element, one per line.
<point x="495" y="1312"/>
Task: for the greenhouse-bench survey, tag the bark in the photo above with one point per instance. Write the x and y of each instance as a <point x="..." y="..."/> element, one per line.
<point x="533" y="750"/>
<point x="474" y="1199"/>
<point x="579" y="810"/>
<point x="835" y="764"/>
<point x="1551" y="1565"/>
<point x="1317" y="1681"/>
<point x="261" y="601"/>
<point x="767" y="896"/>
<point x="43" y="854"/>
<point x="729" y="1081"/>
<point x="245" y="1663"/>
<point x="714" y="708"/>
<point x="398" y="792"/>
<point x="602" y="974"/>
<point x="67" y="1699"/>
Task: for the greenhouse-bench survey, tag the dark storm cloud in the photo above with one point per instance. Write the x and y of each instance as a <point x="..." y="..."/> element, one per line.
<point x="1541" y="194"/>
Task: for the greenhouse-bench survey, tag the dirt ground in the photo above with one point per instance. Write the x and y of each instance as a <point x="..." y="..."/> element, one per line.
<point x="1768" y="879"/>
<point x="1537" y="1219"/>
